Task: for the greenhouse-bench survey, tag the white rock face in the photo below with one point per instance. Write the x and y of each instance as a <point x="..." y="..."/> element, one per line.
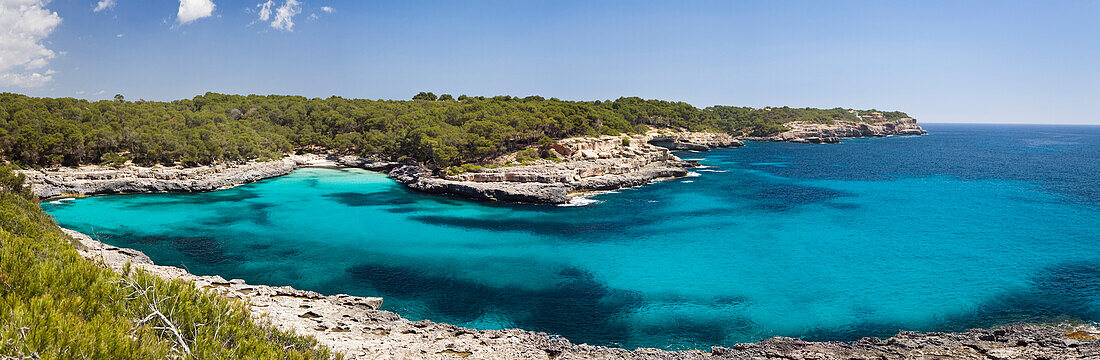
<point x="699" y="141"/>
<point x="90" y="180"/>
<point x="592" y="163"/>
<point x="93" y="180"/>
<point x="803" y="132"/>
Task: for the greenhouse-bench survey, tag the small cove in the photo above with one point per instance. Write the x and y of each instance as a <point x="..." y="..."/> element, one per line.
<point x="973" y="225"/>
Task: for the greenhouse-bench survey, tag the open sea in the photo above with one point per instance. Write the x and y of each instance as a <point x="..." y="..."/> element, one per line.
<point x="969" y="226"/>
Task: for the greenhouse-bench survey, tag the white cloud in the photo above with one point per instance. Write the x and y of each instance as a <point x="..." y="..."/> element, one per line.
<point x="80" y="92"/>
<point x="24" y="25"/>
<point x="120" y="35"/>
<point x="265" y="10"/>
<point x="284" y="15"/>
<point x="100" y="92"/>
<point x="328" y="9"/>
<point x="104" y="5"/>
<point x="24" y="80"/>
<point x="191" y="10"/>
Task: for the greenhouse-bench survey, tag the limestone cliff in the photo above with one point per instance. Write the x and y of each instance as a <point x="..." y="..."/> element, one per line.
<point x="584" y="164"/>
<point x="699" y="141"/>
<point x="94" y="180"/>
<point x="90" y="180"/>
<point x="803" y="132"/>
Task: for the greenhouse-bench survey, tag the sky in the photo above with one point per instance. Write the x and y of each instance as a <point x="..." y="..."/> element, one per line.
<point x="940" y="61"/>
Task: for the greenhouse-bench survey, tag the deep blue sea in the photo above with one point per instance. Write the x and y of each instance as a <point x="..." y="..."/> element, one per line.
<point x="969" y="226"/>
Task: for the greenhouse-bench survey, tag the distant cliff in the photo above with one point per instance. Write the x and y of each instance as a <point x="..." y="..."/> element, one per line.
<point x="803" y="132"/>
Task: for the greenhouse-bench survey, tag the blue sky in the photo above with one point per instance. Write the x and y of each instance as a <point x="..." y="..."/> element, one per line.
<point x="941" y="61"/>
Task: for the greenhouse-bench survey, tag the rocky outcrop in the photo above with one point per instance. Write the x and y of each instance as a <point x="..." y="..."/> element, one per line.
<point x="356" y="327"/>
<point x="419" y="178"/>
<point x="94" y="180"/>
<point x="91" y="180"/>
<point x="584" y="164"/>
<point x="369" y="163"/>
<point x="803" y="132"/>
<point x="698" y="141"/>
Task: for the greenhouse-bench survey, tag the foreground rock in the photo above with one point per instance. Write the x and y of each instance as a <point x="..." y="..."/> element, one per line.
<point x="803" y="132"/>
<point x="356" y="327"/>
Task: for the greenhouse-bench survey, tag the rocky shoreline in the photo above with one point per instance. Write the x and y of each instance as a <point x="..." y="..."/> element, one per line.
<point x="94" y="180"/>
<point x="802" y="132"/>
<point x="355" y="326"/>
<point x="101" y="180"/>
<point x="581" y="164"/>
<point x="562" y="172"/>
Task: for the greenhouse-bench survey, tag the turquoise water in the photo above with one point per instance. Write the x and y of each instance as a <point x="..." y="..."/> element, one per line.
<point x="968" y="226"/>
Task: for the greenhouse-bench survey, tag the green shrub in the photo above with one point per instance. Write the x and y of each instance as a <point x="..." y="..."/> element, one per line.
<point x="113" y="159"/>
<point x="12" y="182"/>
<point x="526" y="156"/>
<point x="549" y="155"/>
<point x="464" y="168"/>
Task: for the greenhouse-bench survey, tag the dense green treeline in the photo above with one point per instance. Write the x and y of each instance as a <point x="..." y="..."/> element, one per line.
<point x="439" y="130"/>
<point x="54" y="304"/>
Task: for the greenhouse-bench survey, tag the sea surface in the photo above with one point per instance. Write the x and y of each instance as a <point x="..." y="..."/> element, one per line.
<point x="969" y="226"/>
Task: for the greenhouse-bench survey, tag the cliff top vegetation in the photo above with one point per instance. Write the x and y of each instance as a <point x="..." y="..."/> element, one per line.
<point x="438" y="130"/>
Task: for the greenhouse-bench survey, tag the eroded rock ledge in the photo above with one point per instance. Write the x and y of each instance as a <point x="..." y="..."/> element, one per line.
<point x="584" y="164"/>
<point x="355" y="326"/>
<point x="95" y="180"/>
<point x="91" y="180"/>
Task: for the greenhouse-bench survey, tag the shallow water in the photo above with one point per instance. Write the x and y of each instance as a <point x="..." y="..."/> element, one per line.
<point x="972" y="225"/>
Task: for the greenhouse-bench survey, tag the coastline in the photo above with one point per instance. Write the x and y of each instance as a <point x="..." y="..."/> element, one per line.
<point x="356" y="327"/>
<point x="567" y="169"/>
